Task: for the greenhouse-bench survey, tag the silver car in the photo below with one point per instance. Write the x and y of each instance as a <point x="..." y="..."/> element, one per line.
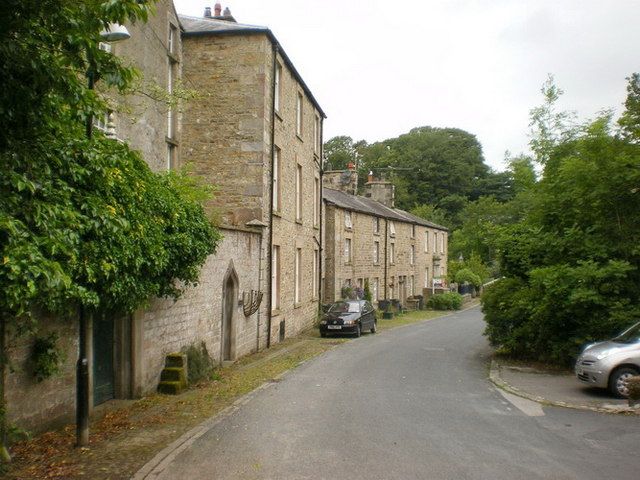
<point x="610" y="364"/>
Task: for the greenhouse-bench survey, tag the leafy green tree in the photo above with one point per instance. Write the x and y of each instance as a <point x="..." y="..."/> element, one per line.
<point x="84" y="223"/>
<point x="630" y="119"/>
<point x="572" y="262"/>
<point x="431" y="213"/>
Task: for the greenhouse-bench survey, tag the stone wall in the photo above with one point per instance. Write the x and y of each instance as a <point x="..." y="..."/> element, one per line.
<point x="197" y="316"/>
<point x="404" y="277"/>
<point x="36" y="405"/>
<point x="142" y="120"/>
<point x="291" y="233"/>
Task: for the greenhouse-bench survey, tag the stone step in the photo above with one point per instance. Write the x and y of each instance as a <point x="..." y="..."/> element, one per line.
<point x="170" y="388"/>
<point x="178" y="360"/>
<point x="173" y="374"/>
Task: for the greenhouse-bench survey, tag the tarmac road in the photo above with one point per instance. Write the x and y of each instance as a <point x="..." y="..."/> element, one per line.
<point x="409" y="403"/>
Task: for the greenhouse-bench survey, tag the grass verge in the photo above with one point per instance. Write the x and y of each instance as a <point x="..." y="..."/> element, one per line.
<point x="125" y="439"/>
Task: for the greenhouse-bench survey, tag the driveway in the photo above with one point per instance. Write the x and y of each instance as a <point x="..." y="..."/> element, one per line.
<point x="410" y="403"/>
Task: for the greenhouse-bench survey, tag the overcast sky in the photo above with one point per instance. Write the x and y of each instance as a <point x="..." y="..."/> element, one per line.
<point x="379" y="68"/>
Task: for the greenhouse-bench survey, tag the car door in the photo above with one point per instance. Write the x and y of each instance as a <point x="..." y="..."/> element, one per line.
<point x="368" y="314"/>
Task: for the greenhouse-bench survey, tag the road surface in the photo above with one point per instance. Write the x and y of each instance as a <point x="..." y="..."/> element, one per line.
<point x="409" y="403"/>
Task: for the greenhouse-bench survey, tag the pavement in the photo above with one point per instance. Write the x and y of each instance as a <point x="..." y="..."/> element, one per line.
<point x="559" y="389"/>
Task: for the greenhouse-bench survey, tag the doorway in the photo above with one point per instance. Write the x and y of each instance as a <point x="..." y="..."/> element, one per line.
<point x="229" y="295"/>
<point x="103" y="358"/>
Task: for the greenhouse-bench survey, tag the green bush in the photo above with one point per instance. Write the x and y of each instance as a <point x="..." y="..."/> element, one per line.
<point x="445" y="301"/>
<point x="465" y="275"/>
<point x="200" y="365"/>
<point x="46" y="357"/>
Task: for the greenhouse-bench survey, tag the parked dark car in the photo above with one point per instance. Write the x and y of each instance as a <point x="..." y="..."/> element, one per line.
<point x="349" y="316"/>
<point x="611" y="363"/>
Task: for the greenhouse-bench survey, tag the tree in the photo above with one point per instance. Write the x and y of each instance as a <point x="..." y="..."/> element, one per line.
<point x="572" y="263"/>
<point x="84" y="223"/>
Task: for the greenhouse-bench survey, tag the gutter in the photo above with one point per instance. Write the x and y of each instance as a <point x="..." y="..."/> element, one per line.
<point x="321" y="201"/>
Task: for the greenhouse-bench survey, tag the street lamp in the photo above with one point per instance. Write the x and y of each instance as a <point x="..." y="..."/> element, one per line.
<point x="113" y="33"/>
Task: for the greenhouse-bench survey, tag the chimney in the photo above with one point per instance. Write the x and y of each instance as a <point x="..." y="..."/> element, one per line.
<point x="217" y="9"/>
<point x="344" y="180"/>
<point x="380" y="191"/>
<point x="207" y="12"/>
<point x="370" y="177"/>
<point x="227" y="12"/>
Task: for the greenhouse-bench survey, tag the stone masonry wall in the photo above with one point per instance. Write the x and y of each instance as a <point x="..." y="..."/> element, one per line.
<point x="197" y="316"/>
<point x="404" y="278"/>
<point x="36" y="405"/>
<point x="290" y="233"/>
<point x="224" y="130"/>
<point x="140" y="120"/>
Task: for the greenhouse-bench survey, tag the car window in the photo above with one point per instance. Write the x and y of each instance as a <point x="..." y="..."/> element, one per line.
<point x="345" y="307"/>
<point x="367" y="306"/>
<point x="632" y="335"/>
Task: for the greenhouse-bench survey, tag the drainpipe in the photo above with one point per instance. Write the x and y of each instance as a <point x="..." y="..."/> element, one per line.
<point x="386" y="241"/>
<point x="321" y="200"/>
<point x="259" y="284"/>
<point x="275" y="50"/>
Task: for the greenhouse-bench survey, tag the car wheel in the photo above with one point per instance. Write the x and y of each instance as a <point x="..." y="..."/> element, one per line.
<point x="374" y="329"/>
<point x="618" y="381"/>
<point x="358" y="331"/>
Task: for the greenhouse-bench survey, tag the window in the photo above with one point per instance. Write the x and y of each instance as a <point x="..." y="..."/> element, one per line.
<point x="435" y="239"/>
<point x="314" y="281"/>
<point x="376" y="225"/>
<point x="277" y="87"/>
<point x="276" y="179"/>
<point x="376" y="252"/>
<point x="442" y="241"/>
<point x="298" y="275"/>
<point x="347" y="250"/>
<point x="275" y="277"/>
<point x="392" y="228"/>
<point x="170" y="113"/>
<point x="347" y="220"/>
<point x="391" y="285"/>
<point x="426" y="278"/>
<point x="392" y="253"/>
<point x="299" y="114"/>
<point x="426" y="241"/>
<point x="413" y="231"/>
<point x="105" y="46"/>
<point x="299" y="193"/>
<point x="316" y="202"/>
<point x="171" y="42"/>
<point x="359" y="283"/>
<point x="316" y="135"/>
<point x="412" y="285"/>
<point x="412" y="254"/>
<point x="374" y="292"/>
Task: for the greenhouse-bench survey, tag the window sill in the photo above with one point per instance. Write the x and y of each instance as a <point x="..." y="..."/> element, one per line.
<point x="377" y="234"/>
<point x="299" y="137"/>
<point x="297" y="305"/>
<point x="316" y="227"/>
<point x="277" y="213"/>
<point x="299" y="221"/>
<point x="277" y="114"/>
<point x="275" y="313"/>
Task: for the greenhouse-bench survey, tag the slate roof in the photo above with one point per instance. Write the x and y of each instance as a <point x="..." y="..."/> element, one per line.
<point x="366" y="205"/>
<point x="196" y="26"/>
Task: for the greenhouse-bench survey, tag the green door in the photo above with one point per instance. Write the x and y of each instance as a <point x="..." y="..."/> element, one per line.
<point x="103" y="372"/>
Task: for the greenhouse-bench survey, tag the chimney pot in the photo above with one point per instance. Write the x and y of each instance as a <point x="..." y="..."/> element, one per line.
<point x="217" y="8"/>
<point x="370" y="176"/>
<point x="227" y="12"/>
<point x="207" y="12"/>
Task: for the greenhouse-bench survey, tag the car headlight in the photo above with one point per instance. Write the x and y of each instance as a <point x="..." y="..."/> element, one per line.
<point x="323" y="322"/>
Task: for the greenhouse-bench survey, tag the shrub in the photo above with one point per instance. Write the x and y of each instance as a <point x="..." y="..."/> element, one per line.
<point x="200" y="365"/>
<point x="445" y="301"/>
<point x="367" y="291"/>
<point x="465" y="275"/>
<point x="46" y="357"/>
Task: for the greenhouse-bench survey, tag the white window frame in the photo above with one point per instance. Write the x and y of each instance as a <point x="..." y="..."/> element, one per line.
<point x="376" y="225"/>
<point x="348" y="220"/>
<point x="276" y="179"/>
<point x="392" y="253"/>
<point x="376" y="252"/>
<point x="298" y="276"/>
<point x="392" y="228"/>
<point x="316" y="201"/>
<point x="275" y="277"/>
<point x="376" y="282"/>
<point x="299" y="114"/>
<point x="316" y="134"/>
<point x="298" y="192"/>
<point x="426" y="241"/>
<point x="314" y="281"/>
<point x="347" y="250"/>
<point x="412" y="254"/>
<point x="278" y="87"/>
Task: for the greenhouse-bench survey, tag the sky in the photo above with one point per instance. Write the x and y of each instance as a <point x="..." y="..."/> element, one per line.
<point x="380" y="68"/>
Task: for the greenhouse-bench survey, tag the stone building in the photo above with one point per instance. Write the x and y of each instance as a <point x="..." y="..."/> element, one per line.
<point x="254" y="132"/>
<point x="366" y="238"/>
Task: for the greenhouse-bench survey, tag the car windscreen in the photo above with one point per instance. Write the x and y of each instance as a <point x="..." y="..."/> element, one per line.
<point x="345" y="307"/>
<point x="631" y="335"/>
